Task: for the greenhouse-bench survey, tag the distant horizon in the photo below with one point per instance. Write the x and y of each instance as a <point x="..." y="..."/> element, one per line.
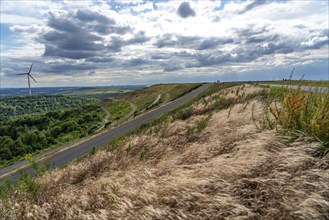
<point x="68" y="87"/>
<point x="122" y="85"/>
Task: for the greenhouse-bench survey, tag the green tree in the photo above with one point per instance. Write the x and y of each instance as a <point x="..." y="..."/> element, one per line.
<point x="5" y="153"/>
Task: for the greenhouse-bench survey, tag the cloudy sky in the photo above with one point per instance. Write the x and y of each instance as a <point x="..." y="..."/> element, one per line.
<point x="140" y="42"/>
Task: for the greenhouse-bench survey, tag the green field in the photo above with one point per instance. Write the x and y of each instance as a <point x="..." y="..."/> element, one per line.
<point x="142" y="98"/>
<point x="99" y="93"/>
<point x="116" y="109"/>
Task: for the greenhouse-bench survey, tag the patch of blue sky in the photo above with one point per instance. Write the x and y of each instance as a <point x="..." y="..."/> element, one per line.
<point x="9" y="39"/>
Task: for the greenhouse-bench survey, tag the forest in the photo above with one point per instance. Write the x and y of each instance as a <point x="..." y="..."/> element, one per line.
<point x="31" y="124"/>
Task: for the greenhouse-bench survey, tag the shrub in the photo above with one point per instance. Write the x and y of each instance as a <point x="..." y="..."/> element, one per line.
<point x="202" y="124"/>
<point x="183" y="114"/>
<point x="296" y="109"/>
<point x="144" y="153"/>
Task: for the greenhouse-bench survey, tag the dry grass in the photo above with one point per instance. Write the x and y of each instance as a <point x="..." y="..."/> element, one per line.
<point x="227" y="170"/>
<point x="305" y="111"/>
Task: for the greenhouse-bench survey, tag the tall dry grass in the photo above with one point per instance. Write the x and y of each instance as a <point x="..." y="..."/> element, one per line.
<point x="207" y="166"/>
<point x="295" y="108"/>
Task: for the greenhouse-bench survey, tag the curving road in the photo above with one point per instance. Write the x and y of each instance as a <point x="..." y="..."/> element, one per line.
<point x="65" y="154"/>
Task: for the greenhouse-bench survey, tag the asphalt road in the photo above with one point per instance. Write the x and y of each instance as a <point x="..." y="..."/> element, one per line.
<point x="303" y="88"/>
<point x="67" y="154"/>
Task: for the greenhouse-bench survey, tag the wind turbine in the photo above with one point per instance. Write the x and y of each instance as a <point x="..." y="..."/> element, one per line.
<point x="28" y="78"/>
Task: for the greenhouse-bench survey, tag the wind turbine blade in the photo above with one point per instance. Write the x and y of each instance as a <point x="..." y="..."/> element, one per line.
<point x="31" y="68"/>
<point x="22" y="73"/>
<point x="32" y="78"/>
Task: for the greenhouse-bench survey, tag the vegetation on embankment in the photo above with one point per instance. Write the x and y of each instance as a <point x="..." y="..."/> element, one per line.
<point x="315" y="83"/>
<point x="204" y="160"/>
<point x="299" y="110"/>
<point x="116" y="108"/>
<point x="143" y="98"/>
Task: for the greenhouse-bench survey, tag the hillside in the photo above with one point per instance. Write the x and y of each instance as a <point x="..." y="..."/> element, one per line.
<point x="150" y="96"/>
<point x="206" y="160"/>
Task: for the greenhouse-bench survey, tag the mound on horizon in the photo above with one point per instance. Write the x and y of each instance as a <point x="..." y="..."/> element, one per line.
<point x="209" y="164"/>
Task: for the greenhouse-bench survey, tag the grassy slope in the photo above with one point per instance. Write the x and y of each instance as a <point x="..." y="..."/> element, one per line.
<point x="144" y="97"/>
<point x="205" y="160"/>
<point x="116" y="108"/>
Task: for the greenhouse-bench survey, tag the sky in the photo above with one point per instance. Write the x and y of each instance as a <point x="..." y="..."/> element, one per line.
<point x="102" y="43"/>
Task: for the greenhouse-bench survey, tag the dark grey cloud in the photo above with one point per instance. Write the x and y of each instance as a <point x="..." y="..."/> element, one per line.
<point x="53" y="51"/>
<point x="255" y="34"/>
<point x="88" y="16"/>
<point x="165" y="40"/>
<point x="214" y="42"/>
<point x="139" y="37"/>
<point x="251" y="30"/>
<point x="160" y="56"/>
<point x="68" y="68"/>
<point x="315" y="43"/>
<point x="70" y="41"/>
<point x="103" y="59"/>
<point x="185" y="10"/>
<point x="137" y="62"/>
<point x="254" y="4"/>
<point x="219" y="57"/>
<point x="115" y="44"/>
<point x="86" y="34"/>
<point x="262" y="38"/>
<point x="100" y="23"/>
<point x="168" y="67"/>
<point x="178" y="41"/>
<point x="243" y="53"/>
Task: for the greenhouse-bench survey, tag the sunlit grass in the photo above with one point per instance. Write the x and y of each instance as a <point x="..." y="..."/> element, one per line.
<point x="296" y="109"/>
<point x="143" y="98"/>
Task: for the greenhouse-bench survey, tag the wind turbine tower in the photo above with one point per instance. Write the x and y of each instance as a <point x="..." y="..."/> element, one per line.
<point x="28" y="78"/>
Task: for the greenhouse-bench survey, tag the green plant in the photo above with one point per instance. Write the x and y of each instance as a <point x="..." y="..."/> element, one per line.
<point x="26" y="183"/>
<point x="116" y="142"/>
<point x="93" y="151"/>
<point x="38" y="168"/>
<point x="115" y="189"/>
<point x="144" y="153"/>
<point x="113" y="197"/>
<point x="104" y="186"/>
<point x="183" y="114"/>
<point x="296" y="109"/>
<point x="128" y="149"/>
<point x="6" y="188"/>
<point x="202" y="124"/>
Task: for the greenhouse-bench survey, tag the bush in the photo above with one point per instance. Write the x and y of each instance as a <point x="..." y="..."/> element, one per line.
<point x="306" y="111"/>
<point x="183" y="114"/>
